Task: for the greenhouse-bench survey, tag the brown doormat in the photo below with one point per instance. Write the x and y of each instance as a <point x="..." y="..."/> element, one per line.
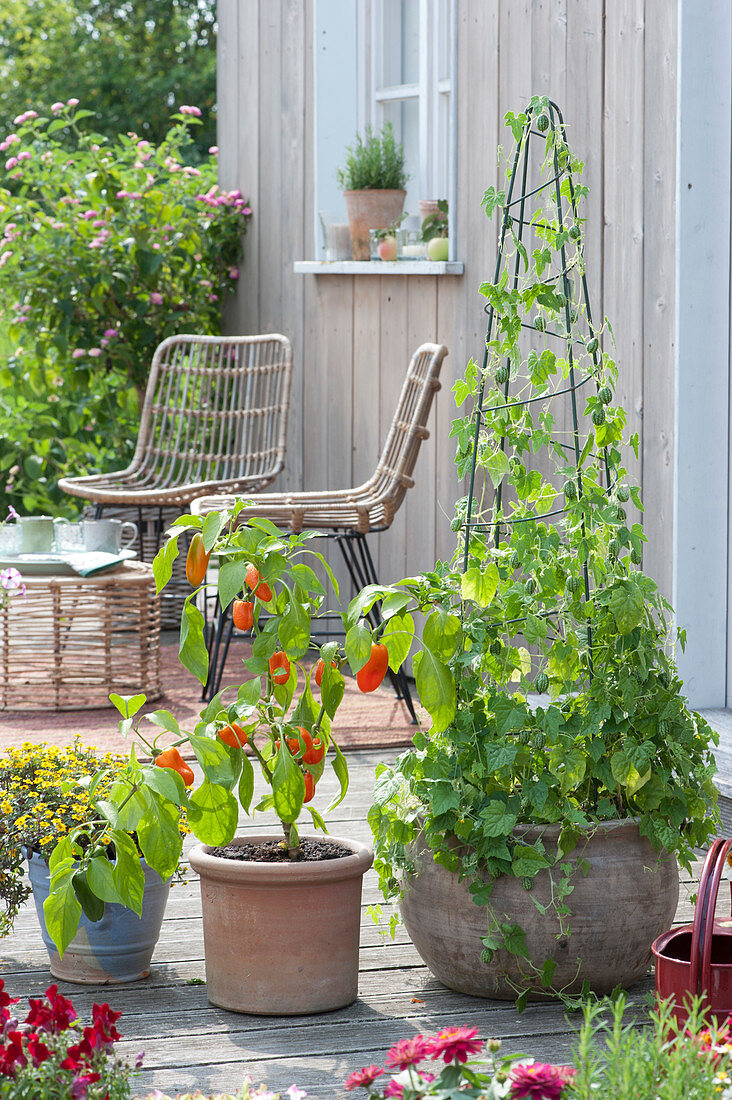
<point x="363" y="721"/>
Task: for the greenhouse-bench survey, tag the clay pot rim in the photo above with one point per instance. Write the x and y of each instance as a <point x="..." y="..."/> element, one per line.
<point x="150" y="872"/>
<point x="554" y="828"/>
<point x="550" y="831"/>
<point x="377" y="191"/>
<point x="285" y="874"/>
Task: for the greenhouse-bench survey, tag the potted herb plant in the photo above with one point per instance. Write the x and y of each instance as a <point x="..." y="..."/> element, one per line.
<point x="373" y="181"/>
<point x="45" y="798"/>
<point x="276" y="719"/>
<point x="563" y="775"/>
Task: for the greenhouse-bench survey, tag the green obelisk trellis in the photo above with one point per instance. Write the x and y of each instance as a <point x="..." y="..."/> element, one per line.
<point x="564" y="318"/>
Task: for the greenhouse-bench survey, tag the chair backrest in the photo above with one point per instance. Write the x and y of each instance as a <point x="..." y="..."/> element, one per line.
<point x="215" y="409"/>
<point x="393" y="474"/>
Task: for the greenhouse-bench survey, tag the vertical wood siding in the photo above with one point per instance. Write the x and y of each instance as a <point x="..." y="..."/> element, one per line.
<point x="611" y="68"/>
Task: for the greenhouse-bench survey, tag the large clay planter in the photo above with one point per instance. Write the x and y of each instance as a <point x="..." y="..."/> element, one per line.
<point x="117" y="948"/>
<point x="371" y="209"/>
<point x="628" y="897"/>
<point x="281" y="939"/>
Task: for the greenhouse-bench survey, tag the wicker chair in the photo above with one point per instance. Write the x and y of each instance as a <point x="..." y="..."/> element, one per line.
<point x="349" y="515"/>
<point x="214" y="419"/>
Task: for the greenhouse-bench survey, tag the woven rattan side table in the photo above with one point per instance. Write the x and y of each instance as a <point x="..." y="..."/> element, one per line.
<point x="70" y="641"/>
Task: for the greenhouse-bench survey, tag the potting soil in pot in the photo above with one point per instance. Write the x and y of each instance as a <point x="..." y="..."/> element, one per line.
<point x="271" y="851"/>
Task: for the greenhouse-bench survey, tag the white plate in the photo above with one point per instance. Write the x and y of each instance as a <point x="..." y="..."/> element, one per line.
<point x="81" y="563"/>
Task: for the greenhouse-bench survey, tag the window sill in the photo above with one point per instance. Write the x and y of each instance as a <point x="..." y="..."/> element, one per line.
<point x="378" y="267"/>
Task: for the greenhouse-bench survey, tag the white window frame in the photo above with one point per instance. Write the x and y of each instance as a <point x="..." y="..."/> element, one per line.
<point x="428" y="90"/>
<point x="356" y="104"/>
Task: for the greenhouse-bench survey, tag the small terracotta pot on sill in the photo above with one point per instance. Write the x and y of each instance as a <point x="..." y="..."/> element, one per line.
<point x="371" y="209"/>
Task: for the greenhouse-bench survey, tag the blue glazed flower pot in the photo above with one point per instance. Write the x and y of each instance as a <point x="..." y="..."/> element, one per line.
<point x="119" y="947"/>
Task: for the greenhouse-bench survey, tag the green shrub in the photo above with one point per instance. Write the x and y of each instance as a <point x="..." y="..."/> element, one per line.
<point x="104" y="252"/>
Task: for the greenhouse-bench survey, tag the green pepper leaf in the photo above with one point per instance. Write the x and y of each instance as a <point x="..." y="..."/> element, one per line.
<point x="192" y="648"/>
<point x="398" y="636"/>
<point x="358" y="646"/>
<point x="213" y="813"/>
<point x="436" y="688"/>
<point x="288" y="785"/>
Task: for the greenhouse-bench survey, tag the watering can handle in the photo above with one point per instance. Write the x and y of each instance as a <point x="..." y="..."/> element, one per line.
<point x="706" y="903"/>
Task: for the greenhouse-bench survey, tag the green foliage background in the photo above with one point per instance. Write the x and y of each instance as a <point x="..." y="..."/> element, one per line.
<point x="103" y="253"/>
<point x="133" y="61"/>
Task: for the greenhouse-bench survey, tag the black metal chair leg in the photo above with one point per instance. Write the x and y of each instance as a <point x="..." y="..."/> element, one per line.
<point x="363" y="572"/>
<point x="217" y="629"/>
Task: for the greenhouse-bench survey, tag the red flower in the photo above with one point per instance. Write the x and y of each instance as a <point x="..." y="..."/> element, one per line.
<point x="12" y="1057"/>
<point x="103" y="1030"/>
<point x="407" y="1052"/>
<point x="54" y="1013"/>
<point x="38" y="1051"/>
<point x="362" y="1078"/>
<point x="5" y="998"/>
<point x="80" y="1084"/>
<point x="539" y="1081"/>
<point x="396" y="1088"/>
<point x="77" y="1056"/>
<point x="455" y="1044"/>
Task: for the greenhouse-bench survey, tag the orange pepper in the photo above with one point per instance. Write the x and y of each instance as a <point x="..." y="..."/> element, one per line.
<point x="171" y="758"/>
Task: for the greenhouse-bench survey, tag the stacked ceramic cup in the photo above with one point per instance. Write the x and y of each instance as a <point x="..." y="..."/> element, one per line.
<point x="105" y="536"/>
<point x="46" y="535"/>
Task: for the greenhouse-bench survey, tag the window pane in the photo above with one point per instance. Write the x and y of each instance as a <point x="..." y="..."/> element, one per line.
<point x="444" y="39"/>
<point x="400" y="46"/>
<point x="403" y="114"/>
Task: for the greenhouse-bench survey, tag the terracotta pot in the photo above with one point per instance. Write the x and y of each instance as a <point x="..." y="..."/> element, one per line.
<point x="370" y="209"/>
<point x="427" y="207"/>
<point x="117" y="948"/>
<point x="281" y="939"/>
<point x="628" y="897"/>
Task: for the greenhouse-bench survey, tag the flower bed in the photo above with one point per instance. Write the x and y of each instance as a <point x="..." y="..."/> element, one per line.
<point x="42" y="801"/>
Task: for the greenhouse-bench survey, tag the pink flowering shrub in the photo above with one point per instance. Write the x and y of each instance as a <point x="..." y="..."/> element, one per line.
<point x="106" y="247"/>
<point x="490" y="1077"/>
<point x="49" y="1055"/>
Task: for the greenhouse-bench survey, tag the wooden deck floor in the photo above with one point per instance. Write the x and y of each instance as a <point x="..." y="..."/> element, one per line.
<point x="188" y="1043"/>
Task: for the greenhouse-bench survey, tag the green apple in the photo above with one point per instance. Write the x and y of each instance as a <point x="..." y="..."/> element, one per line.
<point x="438" y="248"/>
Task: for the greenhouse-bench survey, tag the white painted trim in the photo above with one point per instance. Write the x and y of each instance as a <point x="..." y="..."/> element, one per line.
<point x="377" y="267"/>
<point x="452" y="167"/>
<point x="702" y="455"/>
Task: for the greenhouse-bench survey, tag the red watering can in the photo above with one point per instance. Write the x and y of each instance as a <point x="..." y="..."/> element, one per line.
<point x="696" y="959"/>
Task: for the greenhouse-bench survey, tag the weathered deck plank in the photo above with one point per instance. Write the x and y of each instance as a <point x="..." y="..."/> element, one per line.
<point x="189" y="1043"/>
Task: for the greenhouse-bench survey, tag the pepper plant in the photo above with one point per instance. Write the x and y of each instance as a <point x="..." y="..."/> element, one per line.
<point x="546" y="660"/>
<point x="277" y="718"/>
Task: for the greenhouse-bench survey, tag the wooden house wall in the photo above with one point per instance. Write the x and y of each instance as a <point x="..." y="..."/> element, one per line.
<point x="612" y="69"/>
